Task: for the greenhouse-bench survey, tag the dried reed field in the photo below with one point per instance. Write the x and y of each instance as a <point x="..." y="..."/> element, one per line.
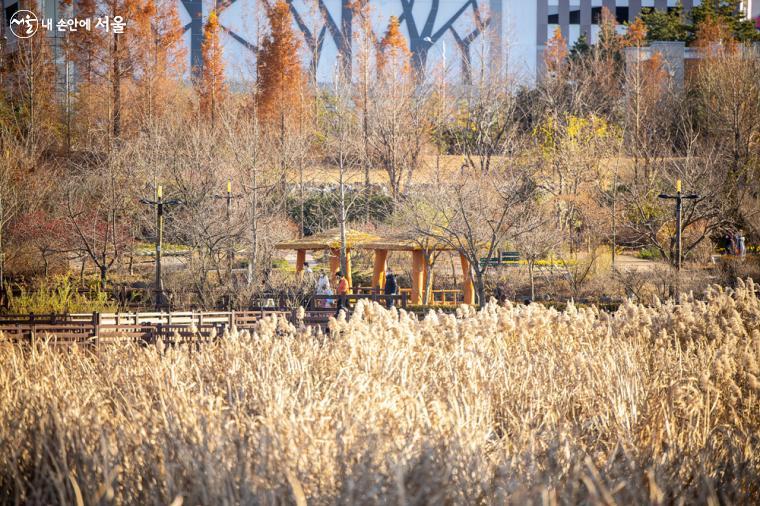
<point x="518" y="404"/>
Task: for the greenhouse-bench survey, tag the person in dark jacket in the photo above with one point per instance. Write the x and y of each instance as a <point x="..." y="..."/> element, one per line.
<point x="391" y="287"/>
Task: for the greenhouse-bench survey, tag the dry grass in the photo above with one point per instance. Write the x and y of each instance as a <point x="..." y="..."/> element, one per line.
<point x="649" y="405"/>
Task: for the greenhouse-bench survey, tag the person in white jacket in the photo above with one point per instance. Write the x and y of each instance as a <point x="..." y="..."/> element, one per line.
<point x="323" y="288"/>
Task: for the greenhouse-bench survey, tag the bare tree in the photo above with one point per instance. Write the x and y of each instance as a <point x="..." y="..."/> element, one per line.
<point x="9" y="205"/>
<point x="398" y="106"/>
<point x="476" y="215"/>
<point x="246" y="146"/>
<point x="538" y="244"/>
<point x="492" y="199"/>
<point x="727" y="96"/>
<point x="651" y="220"/>
<point x="341" y="149"/>
<point x="98" y="202"/>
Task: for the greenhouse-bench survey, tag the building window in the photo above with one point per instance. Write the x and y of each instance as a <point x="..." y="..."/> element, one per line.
<point x="596" y="15"/>
<point x="575" y="15"/>
<point x="621" y="15"/>
<point x="553" y="18"/>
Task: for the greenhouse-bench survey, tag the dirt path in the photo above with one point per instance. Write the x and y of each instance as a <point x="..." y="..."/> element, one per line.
<point x="629" y="263"/>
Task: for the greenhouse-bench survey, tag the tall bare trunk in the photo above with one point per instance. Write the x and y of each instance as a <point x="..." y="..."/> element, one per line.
<point x="342" y="224"/>
<point x="116" y="91"/>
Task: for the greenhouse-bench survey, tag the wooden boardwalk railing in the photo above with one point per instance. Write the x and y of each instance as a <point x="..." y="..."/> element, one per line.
<point x="439" y="297"/>
<point x="149" y="327"/>
<point x="101" y="328"/>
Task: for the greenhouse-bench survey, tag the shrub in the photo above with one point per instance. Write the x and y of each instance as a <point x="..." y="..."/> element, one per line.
<point x="59" y="294"/>
<point x="650" y="253"/>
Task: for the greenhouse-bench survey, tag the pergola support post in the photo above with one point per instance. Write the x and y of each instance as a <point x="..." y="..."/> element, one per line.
<point x="468" y="288"/>
<point x="348" y="272"/>
<point x="378" y="274"/>
<point x="300" y="260"/>
<point x="418" y="276"/>
<point x="334" y="262"/>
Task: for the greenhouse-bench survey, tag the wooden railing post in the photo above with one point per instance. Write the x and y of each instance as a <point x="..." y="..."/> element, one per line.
<point x="96" y="327"/>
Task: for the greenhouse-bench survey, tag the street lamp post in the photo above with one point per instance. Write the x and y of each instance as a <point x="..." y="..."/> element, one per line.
<point x="159" y="203"/>
<point x="230" y="248"/>
<point x="679" y="198"/>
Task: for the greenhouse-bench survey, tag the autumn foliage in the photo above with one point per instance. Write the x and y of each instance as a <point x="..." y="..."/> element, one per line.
<point x="555" y="55"/>
<point x="393" y="51"/>
<point x="211" y="86"/>
<point x="128" y="75"/>
<point x="637" y="33"/>
<point x="281" y="79"/>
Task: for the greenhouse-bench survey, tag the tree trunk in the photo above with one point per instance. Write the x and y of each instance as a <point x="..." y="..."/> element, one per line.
<point x="480" y="287"/>
<point x="116" y="89"/>
<point x="254" y="231"/>
<point x="103" y="276"/>
<point x="428" y="290"/>
<point x="365" y="135"/>
<point x="81" y="271"/>
<point x="532" y="283"/>
<point x="342" y="224"/>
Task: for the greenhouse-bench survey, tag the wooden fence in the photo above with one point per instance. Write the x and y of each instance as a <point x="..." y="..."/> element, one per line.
<point x="101" y="328"/>
<point x="173" y="328"/>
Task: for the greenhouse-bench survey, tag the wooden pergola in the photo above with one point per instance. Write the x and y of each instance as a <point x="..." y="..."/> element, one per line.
<point x="381" y="246"/>
<point x="329" y="240"/>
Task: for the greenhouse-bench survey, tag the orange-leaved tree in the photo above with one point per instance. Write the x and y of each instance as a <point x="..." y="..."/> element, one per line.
<point x="393" y="51"/>
<point x="636" y="35"/>
<point x="281" y="79"/>
<point x="212" y="88"/>
<point x="555" y="54"/>
<point x="111" y="63"/>
<point x="162" y="64"/>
